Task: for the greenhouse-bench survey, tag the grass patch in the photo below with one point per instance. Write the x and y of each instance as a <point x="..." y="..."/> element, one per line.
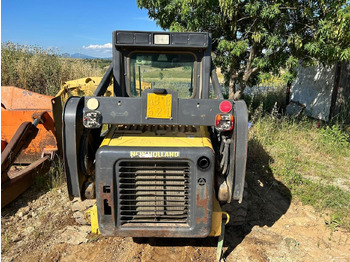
<point x="266" y="99"/>
<point x="52" y="179"/>
<point x="313" y="162"/>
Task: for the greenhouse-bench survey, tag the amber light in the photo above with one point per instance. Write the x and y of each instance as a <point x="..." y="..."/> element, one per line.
<point x="217" y="120"/>
<point x="224" y="122"/>
<point x="225" y="106"/>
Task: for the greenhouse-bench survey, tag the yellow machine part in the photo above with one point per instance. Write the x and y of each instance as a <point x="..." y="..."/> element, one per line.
<point x="93" y="219"/>
<point x="117" y="137"/>
<point x="144" y="86"/>
<point x="78" y="87"/>
<point x="216" y="219"/>
<point x="81" y="87"/>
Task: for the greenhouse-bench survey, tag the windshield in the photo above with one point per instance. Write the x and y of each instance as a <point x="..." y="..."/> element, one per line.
<point x="162" y="70"/>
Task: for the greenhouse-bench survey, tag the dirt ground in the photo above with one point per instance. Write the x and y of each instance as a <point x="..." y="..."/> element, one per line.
<point x="39" y="226"/>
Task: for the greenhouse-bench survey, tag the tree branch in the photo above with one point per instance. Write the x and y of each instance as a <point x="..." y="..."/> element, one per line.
<point x="243" y="18"/>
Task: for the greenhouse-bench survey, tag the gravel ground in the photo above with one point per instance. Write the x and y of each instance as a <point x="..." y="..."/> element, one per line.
<point x="39" y="226"/>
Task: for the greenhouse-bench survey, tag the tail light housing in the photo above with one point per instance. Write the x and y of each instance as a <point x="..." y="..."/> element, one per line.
<point x="224" y="122"/>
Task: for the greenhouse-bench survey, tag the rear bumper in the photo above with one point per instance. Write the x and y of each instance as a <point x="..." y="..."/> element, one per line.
<point x="154" y="192"/>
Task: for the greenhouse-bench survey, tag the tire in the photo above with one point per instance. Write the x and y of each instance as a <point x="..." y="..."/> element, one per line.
<point x="237" y="211"/>
<point x="79" y="208"/>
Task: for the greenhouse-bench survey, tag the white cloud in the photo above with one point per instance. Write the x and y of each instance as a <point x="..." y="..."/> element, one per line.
<point x="98" y="47"/>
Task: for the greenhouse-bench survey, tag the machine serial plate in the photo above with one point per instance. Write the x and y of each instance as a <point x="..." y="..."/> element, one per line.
<point x="159" y="106"/>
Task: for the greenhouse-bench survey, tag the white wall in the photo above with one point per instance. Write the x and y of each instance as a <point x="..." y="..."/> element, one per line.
<point x="313" y="88"/>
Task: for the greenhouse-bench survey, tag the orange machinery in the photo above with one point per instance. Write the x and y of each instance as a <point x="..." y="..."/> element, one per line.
<point x="27" y="139"/>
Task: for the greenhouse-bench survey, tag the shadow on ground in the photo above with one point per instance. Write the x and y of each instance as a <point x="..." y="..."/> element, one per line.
<point x="268" y="200"/>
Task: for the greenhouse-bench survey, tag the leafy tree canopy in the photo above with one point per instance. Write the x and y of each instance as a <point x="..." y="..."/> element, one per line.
<point x="254" y="37"/>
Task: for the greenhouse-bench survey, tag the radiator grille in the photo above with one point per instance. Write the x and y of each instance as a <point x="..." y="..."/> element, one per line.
<point x="153" y="191"/>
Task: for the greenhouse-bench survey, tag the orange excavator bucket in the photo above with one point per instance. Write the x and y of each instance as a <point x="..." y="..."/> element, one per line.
<point x="27" y="139"/>
<point x="18" y="106"/>
<point x="28" y="134"/>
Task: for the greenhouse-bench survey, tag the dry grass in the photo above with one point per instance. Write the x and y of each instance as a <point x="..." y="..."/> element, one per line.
<point x="40" y="70"/>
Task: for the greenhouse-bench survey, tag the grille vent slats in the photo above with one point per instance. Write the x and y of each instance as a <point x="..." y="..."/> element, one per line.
<point x="154" y="191"/>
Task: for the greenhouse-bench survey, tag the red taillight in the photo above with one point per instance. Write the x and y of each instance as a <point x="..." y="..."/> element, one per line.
<point x="224" y="122"/>
<point x="225" y="106"/>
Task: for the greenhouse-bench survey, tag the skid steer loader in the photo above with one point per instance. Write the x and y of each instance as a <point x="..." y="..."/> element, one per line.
<point x="165" y="154"/>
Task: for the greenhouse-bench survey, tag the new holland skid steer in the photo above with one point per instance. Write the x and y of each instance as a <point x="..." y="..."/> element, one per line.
<point x="165" y="154"/>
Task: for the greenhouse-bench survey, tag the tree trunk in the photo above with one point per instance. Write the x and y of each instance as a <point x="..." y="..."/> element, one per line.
<point x="247" y="73"/>
<point x="232" y="88"/>
<point x="238" y="94"/>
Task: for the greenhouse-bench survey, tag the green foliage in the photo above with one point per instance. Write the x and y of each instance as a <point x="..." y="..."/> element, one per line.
<point x="331" y="41"/>
<point x="334" y="140"/>
<point x="261" y="36"/>
<point x="39" y="70"/>
<point x="310" y="161"/>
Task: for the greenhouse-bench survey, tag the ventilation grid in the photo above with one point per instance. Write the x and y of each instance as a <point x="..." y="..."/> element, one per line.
<point x="154" y="191"/>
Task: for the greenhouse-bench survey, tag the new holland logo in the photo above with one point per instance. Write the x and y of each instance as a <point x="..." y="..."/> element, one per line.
<point x="154" y="154"/>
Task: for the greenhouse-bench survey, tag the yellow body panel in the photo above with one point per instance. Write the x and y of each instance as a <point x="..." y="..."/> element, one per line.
<point x="93" y="219"/>
<point x="216" y="219"/>
<point x="216" y="222"/>
<point x="158" y="139"/>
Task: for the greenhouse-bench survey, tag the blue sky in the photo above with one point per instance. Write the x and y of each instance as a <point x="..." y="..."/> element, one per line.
<point x="75" y="26"/>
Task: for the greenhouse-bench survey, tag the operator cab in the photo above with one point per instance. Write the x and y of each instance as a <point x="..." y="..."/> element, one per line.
<point x="169" y="61"/>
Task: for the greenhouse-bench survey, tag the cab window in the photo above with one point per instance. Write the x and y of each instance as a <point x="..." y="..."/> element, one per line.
<point x="162" y="70"/>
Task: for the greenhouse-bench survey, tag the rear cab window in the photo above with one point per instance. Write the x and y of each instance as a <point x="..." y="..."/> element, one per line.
<point x="164" y="70"/>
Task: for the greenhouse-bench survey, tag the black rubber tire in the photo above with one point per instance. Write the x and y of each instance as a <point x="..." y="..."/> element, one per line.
<point x="79" y="208"/>
<point x="237" y="211"/>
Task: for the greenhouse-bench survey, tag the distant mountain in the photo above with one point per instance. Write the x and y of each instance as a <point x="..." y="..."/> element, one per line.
<point x="65" y="55"/>
<point x="82" y="56"/>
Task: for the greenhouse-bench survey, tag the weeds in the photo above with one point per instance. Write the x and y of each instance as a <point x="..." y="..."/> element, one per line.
<point x="51" y="180"/>
<point x="334" y="140"/>
<point x="39" y="70"/>
<point x="263" y="100"/>
<point x="309" y="160"/>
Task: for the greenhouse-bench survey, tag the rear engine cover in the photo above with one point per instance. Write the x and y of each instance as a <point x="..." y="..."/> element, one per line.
<point x="154" y="192"/>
